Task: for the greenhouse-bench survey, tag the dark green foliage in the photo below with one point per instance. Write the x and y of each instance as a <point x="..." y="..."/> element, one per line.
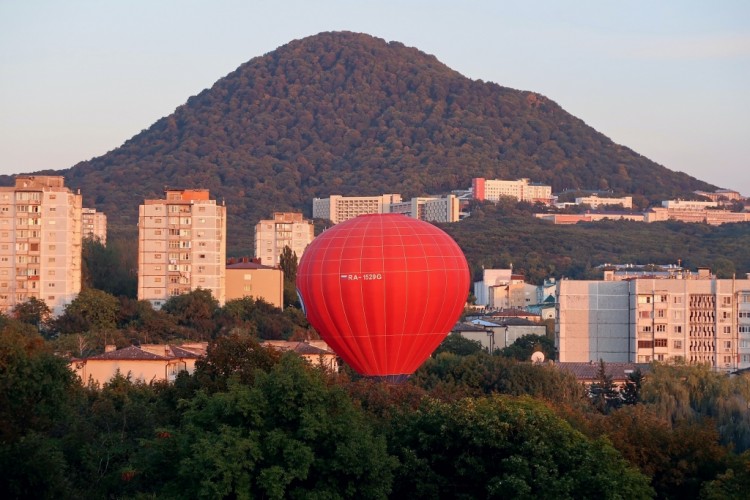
<point x="34" y="312"/>
<point x="196" y="309"/>
<point x="91" y="310"/>
<point x="525" y="346"/>
<point x="111" y="269"/>
<point x="237" y="356"/>
<point x="346" y="113"/>
<point x="258" y="317"/>
<point x="288" y="436"/>
<point x="459" y="345"/>
<point x="451" y="375"/>
<point x="500" y="447"/>
<point x="604" y="394"/>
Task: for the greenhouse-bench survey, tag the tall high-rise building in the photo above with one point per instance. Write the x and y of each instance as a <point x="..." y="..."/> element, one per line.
<point x="40" y="243"/>
<point x="285" y="229"/>
<point x="94" y="225"/>
<point x="181" y="246"/>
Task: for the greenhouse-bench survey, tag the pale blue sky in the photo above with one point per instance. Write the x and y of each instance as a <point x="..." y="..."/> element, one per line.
<point x="669" y="79"/>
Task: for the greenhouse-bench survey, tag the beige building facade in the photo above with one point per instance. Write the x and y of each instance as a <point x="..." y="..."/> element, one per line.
<point x="699" y="319"/>
<point x="94" y="225"/>
<point x="147" y="363"/>
<point x="181" y="246"/>
<point x="595" y="201"/>
<point x="40" y="243"/>
<point x="341" y="208"/>
<point x="249" y="279"/>
<point x="285" y="229"/>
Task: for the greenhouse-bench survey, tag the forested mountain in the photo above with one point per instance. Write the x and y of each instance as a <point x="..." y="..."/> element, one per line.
<point x="347" y="113"/>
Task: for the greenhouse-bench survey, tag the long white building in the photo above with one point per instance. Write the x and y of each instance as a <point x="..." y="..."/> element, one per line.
<point x="181" y="246"/>
<point x="40" y="243"/>
<point x="693" y="320"/>
<point x="430" y="208"/>
<point x="285" y="229"/>
<point x="521" y="190"/>
<point x="338" y="208"/>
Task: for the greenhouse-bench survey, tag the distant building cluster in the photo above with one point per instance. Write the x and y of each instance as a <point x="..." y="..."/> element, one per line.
<point x="521" y="190"/>
<point x="338" y="208"/>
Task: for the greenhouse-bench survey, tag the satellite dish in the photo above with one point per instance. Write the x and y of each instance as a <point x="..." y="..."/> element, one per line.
<point x="537" y="357"/>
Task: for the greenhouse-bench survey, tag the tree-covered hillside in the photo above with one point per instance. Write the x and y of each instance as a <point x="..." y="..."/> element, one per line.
<point x="346" y="113"/>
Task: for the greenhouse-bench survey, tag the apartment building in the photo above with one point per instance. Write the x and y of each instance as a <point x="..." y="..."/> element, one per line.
<point x="286" y="229"/>
<point x="430" y="208"/>
<point x="181" y="246"/>
<point x="694" y="319"/>
<point x="521" y="190"/>
<point x="94" y="225"/>
<point x="341" y="208"/>
<point x="40" y="243"/>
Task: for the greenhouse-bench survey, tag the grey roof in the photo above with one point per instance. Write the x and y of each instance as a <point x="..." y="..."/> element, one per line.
<point x="588" y="371"/>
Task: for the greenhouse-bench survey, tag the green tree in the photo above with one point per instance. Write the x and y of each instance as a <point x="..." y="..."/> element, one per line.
<point x="526" y="345"/>
<point x="33" y="312"/>
<point x="110" y="268"/>
<point x="603" y="392"/>
<point x="457" y="344"/>
<point x="289" y="435"/>
<point x="288" y="264"/>
<point x="238" y="356"/>
<point x="504" y="447"/>
<point x="196" y="309"/>
<point x="92" y="310"/>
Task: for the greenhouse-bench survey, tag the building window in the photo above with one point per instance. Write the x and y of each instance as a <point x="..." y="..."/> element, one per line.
<point x="727" y="344"/>
<point x="661" y="328"/>
<point x="660" y="342"/>
<point x="646" y="329"/>
<point x="645" y="344"/>
<point x="727" y="329"/>
<point x="641" y="314"/>
<point x="677" y="344"/>
<point x="248" y="277"/>
<point x="677" y="299"/>
<point x="678" y="329"/>
<point x="727" y="301"/>
<point x="157" y="279"/>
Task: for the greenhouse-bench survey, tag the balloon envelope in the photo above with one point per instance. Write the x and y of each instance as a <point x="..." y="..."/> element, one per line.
<point x="383" y="291"/>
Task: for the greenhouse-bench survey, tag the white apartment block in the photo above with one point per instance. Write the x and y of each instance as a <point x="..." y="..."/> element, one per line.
<point x="94" y="225"/>
<point x="521" y="190"/>
<point x="181" y="246"/>
<point x="688" y="204"/>
<point x="40" y="243"/>
<point x="286" y="229"/>
<point x="341" y="208"/>
<point x="430" y="208"/>
<point x="698" y="320"/>
<point x="595" y="201"/>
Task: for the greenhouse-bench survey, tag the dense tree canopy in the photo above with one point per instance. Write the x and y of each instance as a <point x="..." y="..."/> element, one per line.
<point x="346" y="113"/>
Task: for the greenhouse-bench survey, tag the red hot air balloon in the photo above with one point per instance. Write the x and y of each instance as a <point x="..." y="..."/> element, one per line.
<point x="383" y="291"/>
